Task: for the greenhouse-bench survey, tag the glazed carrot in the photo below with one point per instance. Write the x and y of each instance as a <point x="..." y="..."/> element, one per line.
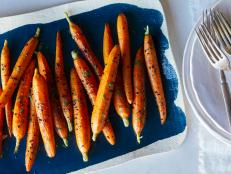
<point x="84" y="46"/>
<point x="57" y="114"/>
<point x="104" y="94"/>
<point x="5" y="74"/>
<point x="124" y="42"/>
<point x="91" y="85"/>
<point x="21" y="106"/>
<point x="1" y="127"/>
<point x="109" y="132"/>
<point x="32" y="142"/>
<point x="154" y="74"/>
<point x="43" y="111"/>
<point x="119" y="98"/>
<point x="81" y="115"/>
<point x="19" y="68"/>
<point x="139" y="103"/>
<point x="62" y="84"/>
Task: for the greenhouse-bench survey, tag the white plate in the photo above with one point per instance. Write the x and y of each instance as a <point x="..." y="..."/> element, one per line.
<point x="202" y="85"/>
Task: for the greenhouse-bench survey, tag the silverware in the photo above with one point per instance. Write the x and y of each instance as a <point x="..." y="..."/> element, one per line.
<point x="214" y="37"/>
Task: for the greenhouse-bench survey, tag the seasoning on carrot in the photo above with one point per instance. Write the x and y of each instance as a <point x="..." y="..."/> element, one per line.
<point x="5" y="74"/>
<point x="21" y="106"/>
<point x="154" y="74"/>
<point x="32" y="142"/>
<point x="124" y="42"/>
<point x="19" y="68"/>
<point x="62" y="84"/>
<point x="43" y="111"/>
<point x="91" y="85"/>
<point x="139" y="103"/>
<point x="81" y="115"/>
<point x="84" y="46"/>
<point x="1" y="127"/>
<point x="119" y="98"/>
<point x="58" y="118"/>
<point x="104" y="94"/>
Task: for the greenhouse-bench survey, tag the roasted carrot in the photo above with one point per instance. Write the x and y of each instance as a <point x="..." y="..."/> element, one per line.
<point x="43" y="111"/>
<point x="5" y="74"/>
<point x="109" y="132"/>
<point x="19" y="68"/>
<point x="124" y="42"/>
<point x="119" y="98"/>
<point x="84" y="46"/>
<point x="104" y="94"/>
<point x="21" y="106"/>
<point x="62" y="84"/>
<point x="57" y="114"/>
<point x="154" y="74"/>
<point x="81" y="115"/>
<point x="32" y="142"/>
<point x="139" y="103"/>
<point x="1" y="127"/>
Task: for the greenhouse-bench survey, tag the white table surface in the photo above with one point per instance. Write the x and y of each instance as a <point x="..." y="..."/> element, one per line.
<point x="181" y="15"/>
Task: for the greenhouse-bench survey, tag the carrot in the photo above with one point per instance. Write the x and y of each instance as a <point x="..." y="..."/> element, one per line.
<point x="139" y="103"/>
<point x="84" y="46"/>
<point x="124" y="42"/>
<point x="62" y="84"/>
<point x="32" y="142"/>
<point x="57" y="115"/>
<point x="91" y="85"/>
<point x="81" y="115"/>
<point x="1" y="127"/>
<point x="154" y="74"/>
<point x="104" y="94"/>
<point x="43" y="111"/>
<point x="19" y="68"/>
<point x="119" y="98"/>
<point x="21" y="106"/>
<point x="5" y="74"/>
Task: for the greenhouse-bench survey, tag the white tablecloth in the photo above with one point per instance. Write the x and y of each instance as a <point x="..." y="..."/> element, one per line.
<point x="201" y="152"/>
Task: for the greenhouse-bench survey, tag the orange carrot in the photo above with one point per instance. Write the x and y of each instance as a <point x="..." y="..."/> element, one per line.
<point x="21" y="106"/>
<point x="62" y="84"/>
<point x="5" y="74"/>
<point x="81" y="115"/>
<point x="84" y="46"/>
<point x="32" y="142"/>
<point x="19" y="68"/>
<point x="139" y="103"/>
<point x="124" y="42"/>
<point x="119" y="98"/>
<point x="43" y="111"/>
<point x="1" y="127"/>
<point x="109" y="132"/>
<point x="104" y="94"/>
<point x="154" y="74"/>
<point x="58" y="118"/>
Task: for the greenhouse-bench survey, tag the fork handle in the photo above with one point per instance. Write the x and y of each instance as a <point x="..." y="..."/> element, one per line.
<point x="226" y="95"/>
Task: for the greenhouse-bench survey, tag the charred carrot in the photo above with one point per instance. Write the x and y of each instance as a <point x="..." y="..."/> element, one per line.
<point x="58" y="118"/>
<point x="119" y="98"/>
<point x="19" y="68"/>
<point x="21" y="106"/>
<point x="43" y="111"/>
<point x="62" y="85"/>
<point x="109" y="132"/>
<point x="1" y="127"/>
<point x="32" y="142"/>
<point x="154" y="74"/>
<point x="81" y="116"/>
<point x="124" y="42"/>
<point x="84" y="46"/>
<point x="104" y="94"/>
<point x="139" y="103"/>
<point x="5" y="74"/>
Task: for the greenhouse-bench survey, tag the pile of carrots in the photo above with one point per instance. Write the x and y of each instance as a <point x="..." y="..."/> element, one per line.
<point x="48" y="103"/>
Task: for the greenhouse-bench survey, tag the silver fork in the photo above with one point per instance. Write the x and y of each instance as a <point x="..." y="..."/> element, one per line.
<point x="216" y="56"/>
